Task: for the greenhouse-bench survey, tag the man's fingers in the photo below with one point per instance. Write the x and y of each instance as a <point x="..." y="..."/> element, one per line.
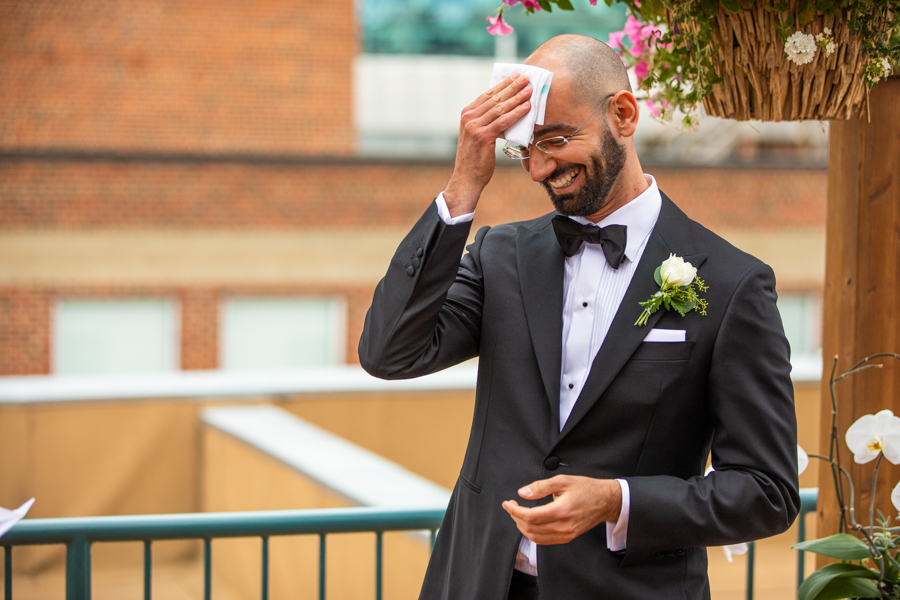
<point x="505" y="114"/>
<point x="495" y="99"/>
<point x="485" y="98"/>
<point x="544" y="487"/>
<point x="537" y="515"/>
<point x="493" y="122"/>
<point x="490" y="126"/>
<point x="540" y="524"/>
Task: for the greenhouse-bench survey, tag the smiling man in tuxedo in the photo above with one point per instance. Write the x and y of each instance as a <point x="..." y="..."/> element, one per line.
<point x="583" y="476"/>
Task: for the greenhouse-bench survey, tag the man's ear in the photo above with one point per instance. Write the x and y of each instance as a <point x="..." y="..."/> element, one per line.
<point x="624" y="113"/>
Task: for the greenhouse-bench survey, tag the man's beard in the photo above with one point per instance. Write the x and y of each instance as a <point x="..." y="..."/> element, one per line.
<point x="598" y="180"/>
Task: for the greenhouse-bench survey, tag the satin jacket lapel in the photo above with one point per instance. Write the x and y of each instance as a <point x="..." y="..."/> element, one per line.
<point x="541" y="267"/>
<point x="624" y="337"/>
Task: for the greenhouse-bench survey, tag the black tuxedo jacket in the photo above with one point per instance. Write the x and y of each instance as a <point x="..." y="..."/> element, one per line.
<point x="649" y="413"/>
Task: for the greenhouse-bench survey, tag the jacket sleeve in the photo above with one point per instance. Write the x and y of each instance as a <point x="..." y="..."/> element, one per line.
<point x="426" y="312"/>
<point x="754" y="491"/>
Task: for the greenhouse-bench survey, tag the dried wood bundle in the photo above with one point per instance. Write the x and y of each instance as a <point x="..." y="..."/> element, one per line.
<point x="759" y="82"/>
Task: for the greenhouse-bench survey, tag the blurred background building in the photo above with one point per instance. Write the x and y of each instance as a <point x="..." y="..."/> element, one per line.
<point x="219" y="187"/>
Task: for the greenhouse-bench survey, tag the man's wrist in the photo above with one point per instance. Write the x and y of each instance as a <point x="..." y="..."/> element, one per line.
<point x="617" y="530"/>
<point x="444" y="213"/>
<point x="461" y="199"/>
<point x="614" y="504"/>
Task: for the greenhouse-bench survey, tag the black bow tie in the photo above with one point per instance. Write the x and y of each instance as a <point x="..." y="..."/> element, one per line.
<point x="572" y="234"/>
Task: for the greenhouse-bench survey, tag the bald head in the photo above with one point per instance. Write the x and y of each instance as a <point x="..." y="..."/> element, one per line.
<point x="590" y="68"/>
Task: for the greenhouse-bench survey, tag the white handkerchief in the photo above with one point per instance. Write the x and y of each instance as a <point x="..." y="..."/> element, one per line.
<point x="8" y="518"/>
<point x="522" y="131"/>
<point x="665" y="335"/>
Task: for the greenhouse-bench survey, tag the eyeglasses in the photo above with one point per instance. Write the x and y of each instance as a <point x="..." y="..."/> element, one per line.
<point x="550" y="145"/>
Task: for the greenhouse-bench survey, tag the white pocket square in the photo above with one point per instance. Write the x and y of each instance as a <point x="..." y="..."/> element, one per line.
<point x="665" y="335"/>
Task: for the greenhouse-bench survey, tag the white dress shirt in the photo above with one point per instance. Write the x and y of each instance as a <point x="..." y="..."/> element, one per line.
<point x="592" y="293"/>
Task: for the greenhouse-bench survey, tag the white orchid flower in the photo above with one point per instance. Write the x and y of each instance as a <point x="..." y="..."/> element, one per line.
<point x="895" y="497"/>
<point x="734" y="549"/>
<point x="874" y="434"/>
<point x="802" y="460"/>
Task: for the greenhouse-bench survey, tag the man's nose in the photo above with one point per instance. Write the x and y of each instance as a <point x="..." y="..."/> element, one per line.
<point x="539" y="165"/>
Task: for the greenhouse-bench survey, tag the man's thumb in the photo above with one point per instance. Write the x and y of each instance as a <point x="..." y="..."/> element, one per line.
<point x="537" y="489"/>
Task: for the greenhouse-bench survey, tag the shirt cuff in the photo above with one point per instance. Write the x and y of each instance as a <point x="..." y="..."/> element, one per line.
<point x="617" y="532"/>
<point x="444" y="212"/>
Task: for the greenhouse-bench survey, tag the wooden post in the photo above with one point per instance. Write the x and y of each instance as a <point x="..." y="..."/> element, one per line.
<point x="862" y="290"/>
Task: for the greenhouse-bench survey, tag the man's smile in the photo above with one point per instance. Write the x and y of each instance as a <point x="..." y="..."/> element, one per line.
<point x="566" y="180"/>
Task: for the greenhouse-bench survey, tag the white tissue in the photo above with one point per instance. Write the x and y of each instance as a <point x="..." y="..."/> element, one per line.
<point x="522" y="131"/>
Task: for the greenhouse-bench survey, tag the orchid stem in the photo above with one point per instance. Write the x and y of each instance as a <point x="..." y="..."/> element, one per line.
<point x="874" y="483"/>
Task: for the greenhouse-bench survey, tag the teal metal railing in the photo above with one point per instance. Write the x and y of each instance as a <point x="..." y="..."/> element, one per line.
<point x="79" y="533"/>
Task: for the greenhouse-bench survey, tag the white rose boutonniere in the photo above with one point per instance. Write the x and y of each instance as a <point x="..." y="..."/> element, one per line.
<point x="678" y="286"/>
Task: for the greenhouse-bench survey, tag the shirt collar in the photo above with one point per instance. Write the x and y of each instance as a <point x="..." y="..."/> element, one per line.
<point x="639" y="215"/>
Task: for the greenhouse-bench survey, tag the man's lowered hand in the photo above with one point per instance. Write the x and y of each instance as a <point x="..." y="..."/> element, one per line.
<point x="579" y="504"/>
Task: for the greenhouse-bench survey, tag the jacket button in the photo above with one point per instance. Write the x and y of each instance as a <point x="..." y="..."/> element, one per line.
<point x="419" y="252"/>
<point x="416" y="262"/>
<point x="552" y="463"/>
<point x="410" y="271"/>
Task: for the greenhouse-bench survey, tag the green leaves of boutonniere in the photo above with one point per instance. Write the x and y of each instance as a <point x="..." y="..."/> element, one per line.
<point x="678" y="286"/>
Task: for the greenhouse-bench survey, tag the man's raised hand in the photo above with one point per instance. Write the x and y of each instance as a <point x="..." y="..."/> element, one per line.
<point x="482" y="121"/>
<point x="579" y="504"/>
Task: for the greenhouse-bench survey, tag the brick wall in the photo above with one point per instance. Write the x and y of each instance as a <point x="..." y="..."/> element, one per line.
<point x="273" y="76"/>
<point x="134" y="195"/>
<point x="24" y="331"/>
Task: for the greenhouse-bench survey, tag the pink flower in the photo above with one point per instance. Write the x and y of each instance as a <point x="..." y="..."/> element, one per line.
<point x="657" y="108"/>
<point x="641" y="69"/>
<point x="657" y="105"/>
<point x="615" y="39"/>
<point x="593" y="2"/>
<point x="651" y="31"/>
<point x="637" y="49"/>
<point x="633" y="29"/>
<point x="499" y="26"/>
<point x="526" y="3"/>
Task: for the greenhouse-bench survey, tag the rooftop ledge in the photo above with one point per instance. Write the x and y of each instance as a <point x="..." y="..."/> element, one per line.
<point x="807" y="368"/>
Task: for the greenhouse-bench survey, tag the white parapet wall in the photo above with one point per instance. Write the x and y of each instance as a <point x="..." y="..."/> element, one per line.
<point x="807" y="368"/>
<point x="221" y="384"/>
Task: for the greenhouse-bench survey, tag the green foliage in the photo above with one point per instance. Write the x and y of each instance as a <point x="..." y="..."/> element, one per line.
<point x="840" y="589"/>
<point x="842" y="546"/>
<point x="680" y="299"/>
<point x="840" y="580"/>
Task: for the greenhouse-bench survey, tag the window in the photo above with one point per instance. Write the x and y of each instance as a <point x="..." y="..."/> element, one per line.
<point x="115" y="336"/>
<point x="801" y="315"/>
<point x="260" y="333"/>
